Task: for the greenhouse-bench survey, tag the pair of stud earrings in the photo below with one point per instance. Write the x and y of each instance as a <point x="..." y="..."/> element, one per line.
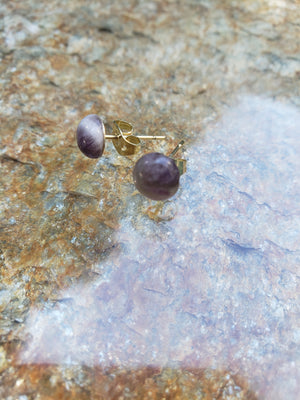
<point x="155" y="175"/>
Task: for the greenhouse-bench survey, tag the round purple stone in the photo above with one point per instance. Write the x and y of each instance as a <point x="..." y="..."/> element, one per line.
<point x="91" y="136"/>
<point x="156" y="176"/>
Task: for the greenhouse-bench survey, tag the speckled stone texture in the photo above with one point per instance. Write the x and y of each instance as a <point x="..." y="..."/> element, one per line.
<point x="103" y="293"/>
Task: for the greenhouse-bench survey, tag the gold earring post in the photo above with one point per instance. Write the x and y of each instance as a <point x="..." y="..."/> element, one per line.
<point x="180" y="144"/>
<point x="181" y="163"/>
<point x="139" y="136"/>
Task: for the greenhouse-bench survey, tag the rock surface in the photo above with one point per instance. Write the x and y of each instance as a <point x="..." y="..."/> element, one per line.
<point x="103" y="293"/>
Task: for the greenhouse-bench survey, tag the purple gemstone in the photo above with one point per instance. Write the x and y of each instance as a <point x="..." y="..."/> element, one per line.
<point x="156" y="176"/>
<point x="91" y="136"/>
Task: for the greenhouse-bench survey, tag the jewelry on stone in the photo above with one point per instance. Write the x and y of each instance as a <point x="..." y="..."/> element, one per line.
<point x="156" y="176"/>
<point x="91" y="137"/>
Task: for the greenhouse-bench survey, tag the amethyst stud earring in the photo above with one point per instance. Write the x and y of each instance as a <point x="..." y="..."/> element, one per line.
<point x="156" y="176"/>
<point x="91" y="137"/>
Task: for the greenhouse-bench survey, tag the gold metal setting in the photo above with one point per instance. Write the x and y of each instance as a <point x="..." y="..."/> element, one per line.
<point x="123" y="139"/>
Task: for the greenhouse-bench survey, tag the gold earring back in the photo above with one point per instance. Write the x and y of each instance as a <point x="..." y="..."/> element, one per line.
<point x="125" y="142"/>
